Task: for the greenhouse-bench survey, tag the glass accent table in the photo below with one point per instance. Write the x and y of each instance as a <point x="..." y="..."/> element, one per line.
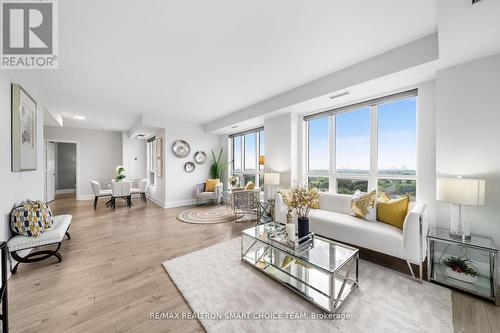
<point x="481" y="251"/>
<point x="323" y="272"/>
<point x="265" y="211"/>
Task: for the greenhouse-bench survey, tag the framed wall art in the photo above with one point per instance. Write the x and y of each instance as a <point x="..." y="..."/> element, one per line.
<point x="24" y="130"/>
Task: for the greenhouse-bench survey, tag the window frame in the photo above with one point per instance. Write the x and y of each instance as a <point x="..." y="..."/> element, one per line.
<point x="151" y="152"/>
<point x="373" y="175"/>
<point x="242" y="171"/>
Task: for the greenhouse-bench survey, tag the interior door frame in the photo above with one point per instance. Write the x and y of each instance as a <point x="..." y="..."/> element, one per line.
<point x="77" y="164"/>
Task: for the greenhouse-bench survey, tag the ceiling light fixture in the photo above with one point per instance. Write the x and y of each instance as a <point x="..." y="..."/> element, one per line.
<point x="79" y="117"/>
<point x="339" y="95"/>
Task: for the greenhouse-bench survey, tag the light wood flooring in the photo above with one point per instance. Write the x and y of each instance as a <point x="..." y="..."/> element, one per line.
<point x="111" y="277"/>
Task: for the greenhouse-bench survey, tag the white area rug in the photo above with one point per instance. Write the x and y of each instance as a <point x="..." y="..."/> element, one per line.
<point x="215" y="280"/>
<point x="210" y="214"/>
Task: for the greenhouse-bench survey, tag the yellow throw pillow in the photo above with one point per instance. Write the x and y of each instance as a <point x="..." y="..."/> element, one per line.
<point x="363" y="205"/>
<point x="392" y="211"/>
<point x="250" y="186"/>
<point x="383" y="197"/>
<point x="210" y="184"/>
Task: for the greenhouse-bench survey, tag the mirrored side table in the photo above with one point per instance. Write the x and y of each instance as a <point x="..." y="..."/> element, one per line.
<point x="481" y="252"/>
<point x="265" y="211"/>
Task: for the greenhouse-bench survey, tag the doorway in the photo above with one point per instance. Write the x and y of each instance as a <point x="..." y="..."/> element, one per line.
<point x="61" y="169"/>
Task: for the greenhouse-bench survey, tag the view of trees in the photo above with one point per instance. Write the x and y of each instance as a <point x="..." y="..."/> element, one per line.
<point x="349" y="186"/>
<point x="321" y="183"/>
<point x="398" y="187"/>
<point x="393" y="187"/>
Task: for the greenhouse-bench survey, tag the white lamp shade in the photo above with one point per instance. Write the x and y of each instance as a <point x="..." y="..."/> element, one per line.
<point x="461" y="191"/>
<point x="272" y="178"/>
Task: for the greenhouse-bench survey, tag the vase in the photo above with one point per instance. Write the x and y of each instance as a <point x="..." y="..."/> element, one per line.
<point x="303" y="223"/>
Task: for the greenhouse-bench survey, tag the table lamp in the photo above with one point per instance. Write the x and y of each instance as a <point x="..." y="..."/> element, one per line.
<point x="272" y="179"/>
<point x="460" y="192"/>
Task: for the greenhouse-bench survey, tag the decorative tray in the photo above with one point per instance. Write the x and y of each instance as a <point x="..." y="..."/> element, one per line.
<point x="280" y="236"/>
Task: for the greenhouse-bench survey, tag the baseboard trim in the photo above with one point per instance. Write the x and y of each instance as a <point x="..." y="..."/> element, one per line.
<point x="180" y="203"/>
<point x="69" y="190"/>
<point x="162" y="205"/>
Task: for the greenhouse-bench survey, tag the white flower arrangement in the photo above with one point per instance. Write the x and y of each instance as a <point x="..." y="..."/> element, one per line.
<point x="120" y="173"/>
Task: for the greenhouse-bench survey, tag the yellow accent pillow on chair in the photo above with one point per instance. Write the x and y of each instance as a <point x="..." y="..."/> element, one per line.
<point x="210" y="184"/>
<point x="392" y="211"/>
<point x="250" y="186"/>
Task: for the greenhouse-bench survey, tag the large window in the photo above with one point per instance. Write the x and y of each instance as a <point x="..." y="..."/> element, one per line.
<point x="248" y="157"/>
<point x="352" y="138"/>
<point x="365" y="147"/>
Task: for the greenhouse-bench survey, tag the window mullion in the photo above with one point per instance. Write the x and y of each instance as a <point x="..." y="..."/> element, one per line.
<point x="257" y="154"/>
<point x="332" y="151"/>
<point x="372" y="180"/>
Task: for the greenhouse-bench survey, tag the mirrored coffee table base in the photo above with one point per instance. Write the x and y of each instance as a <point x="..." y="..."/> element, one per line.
<point x="327" y="287"/>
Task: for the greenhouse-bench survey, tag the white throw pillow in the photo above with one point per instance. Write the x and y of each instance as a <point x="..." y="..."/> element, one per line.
<point x="371" y="215"/>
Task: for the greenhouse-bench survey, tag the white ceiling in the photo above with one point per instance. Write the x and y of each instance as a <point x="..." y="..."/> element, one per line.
<point x="198" y="60"/>
<point x="467" y="32"/>
<point x="386" y="85"/>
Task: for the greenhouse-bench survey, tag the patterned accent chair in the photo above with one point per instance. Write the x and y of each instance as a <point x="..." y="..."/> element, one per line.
<point x="245" y="201"/>
<point x="202" y="195"/>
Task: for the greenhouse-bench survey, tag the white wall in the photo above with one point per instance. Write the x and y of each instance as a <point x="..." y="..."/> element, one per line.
<point x="134" y="156"/>
<point x="426" y="147"/>
<point x="100" y="152"/>
<point x="282" y="147"/>
<point x="17" y="186"/>
<point x="468" y="136"/>
<point x="181" y="185"/>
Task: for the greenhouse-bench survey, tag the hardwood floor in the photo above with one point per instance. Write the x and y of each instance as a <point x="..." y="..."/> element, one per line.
<point x="111" y="277"/>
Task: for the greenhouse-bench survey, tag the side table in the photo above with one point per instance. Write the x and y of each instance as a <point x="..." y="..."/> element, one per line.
<point x="481" y="251"/>
<point x="265" y="211"/>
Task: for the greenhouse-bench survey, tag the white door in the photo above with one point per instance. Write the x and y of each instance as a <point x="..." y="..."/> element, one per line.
<point x="50" y="172"/>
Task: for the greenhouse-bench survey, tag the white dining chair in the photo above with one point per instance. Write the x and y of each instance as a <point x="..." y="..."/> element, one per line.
<point x="120" y="190"/>
<point x="98" y="192"/>
<point x="142" y="185"/>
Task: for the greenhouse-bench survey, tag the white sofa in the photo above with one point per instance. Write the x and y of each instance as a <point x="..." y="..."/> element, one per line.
<point x="334" y="220"/>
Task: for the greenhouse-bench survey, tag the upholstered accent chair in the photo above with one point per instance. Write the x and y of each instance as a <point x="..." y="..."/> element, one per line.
<point x="98" y="192"/>
<point x="245" y="201"/>
<point x="120" y="190"/>
<point x="142" y="185"/>
<point x="203" y="196"/>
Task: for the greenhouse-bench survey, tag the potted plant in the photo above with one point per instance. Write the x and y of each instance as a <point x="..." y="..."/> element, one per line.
<point x="216" y="167"/>
<point x="461" y="269"/>
<point x="301" y="199"/>
<point x="120" y="173"/>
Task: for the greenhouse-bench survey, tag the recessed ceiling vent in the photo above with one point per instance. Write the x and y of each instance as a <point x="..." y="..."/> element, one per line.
<point x="475" y="1"/>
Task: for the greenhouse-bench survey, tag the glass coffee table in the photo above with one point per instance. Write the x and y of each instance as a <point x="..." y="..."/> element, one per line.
<point x="324" y="272"/>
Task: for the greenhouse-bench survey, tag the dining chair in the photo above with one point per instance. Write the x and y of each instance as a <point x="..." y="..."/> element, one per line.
<point x="120" y="190"/>
<point x="98" y="192"/>
<point x="142" y="185"/>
